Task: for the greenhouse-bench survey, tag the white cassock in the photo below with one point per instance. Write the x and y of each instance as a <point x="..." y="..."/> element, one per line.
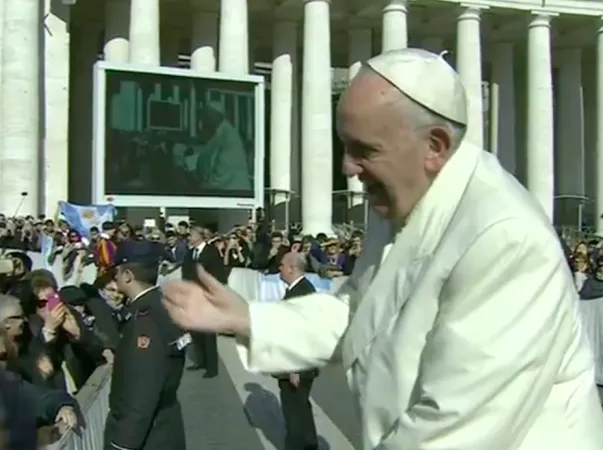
<point x="459" y="333"/>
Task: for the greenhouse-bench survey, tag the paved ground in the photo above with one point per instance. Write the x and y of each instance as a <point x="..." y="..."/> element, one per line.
<point x="239" y="410"/>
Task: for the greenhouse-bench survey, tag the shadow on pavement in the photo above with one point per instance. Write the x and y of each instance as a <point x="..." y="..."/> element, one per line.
<point x="263" y="411"/>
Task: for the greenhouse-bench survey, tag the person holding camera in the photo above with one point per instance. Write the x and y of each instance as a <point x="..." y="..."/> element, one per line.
<point x="233" y="256"/>
<point x="73" y="349"/>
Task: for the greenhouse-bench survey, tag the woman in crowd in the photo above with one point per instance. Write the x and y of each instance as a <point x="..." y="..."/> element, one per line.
<point x="74" y="351"/>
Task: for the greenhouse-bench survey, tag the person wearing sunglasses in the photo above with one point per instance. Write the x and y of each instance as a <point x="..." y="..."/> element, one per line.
<point x="24" y="405"/>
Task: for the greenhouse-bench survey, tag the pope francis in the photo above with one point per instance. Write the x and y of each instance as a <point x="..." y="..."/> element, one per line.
<point x="459" y="327"/>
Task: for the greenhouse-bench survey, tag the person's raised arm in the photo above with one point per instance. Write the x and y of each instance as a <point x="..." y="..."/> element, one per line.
<point x="299" y="334"/>
<point x="283" y="337"/>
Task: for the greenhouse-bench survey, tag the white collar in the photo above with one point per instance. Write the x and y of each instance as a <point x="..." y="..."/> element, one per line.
<point x="199" y="247"/>
<point x="141" y="293"/>
<point x="295" y="282"/>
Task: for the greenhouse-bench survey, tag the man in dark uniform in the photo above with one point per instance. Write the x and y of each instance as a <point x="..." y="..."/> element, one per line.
<point x="295" y="387"/>
<point x="204" y="350"/>
<point x="144" y="409"/>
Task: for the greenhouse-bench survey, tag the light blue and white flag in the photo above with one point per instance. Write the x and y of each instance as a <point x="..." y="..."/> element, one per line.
<point x="83" y="217"/>
<point x="47" y="247"/>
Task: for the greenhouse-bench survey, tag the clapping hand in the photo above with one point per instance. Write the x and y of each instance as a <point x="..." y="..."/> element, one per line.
<point x="206" y="306"/>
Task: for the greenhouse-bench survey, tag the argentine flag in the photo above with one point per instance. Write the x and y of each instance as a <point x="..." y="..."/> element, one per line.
<point x="83" y="217"/>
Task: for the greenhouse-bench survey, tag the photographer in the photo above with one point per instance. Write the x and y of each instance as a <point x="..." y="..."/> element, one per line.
<point x="233" y="256"/>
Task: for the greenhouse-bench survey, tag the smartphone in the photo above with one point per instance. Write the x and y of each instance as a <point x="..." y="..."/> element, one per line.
<point x="53" y="300"/>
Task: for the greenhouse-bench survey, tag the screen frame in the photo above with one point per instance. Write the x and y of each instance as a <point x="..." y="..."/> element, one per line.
<point x="100" y="194"/>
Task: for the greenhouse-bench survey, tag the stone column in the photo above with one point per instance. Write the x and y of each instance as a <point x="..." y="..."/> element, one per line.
<point x="570" y="129"/>
<point x="316" y="120"/>
<point x="282" y="84"/>
<point x="117" y="30"/>
<point x="54" y="170"/>
<point x="234" y="37"/>
<point x="20" y="153"/>
<point x="469" y="67"/>
<point x="204" y="41"/>
<point x="540" y="133"/>
<point x="360" y="41"/>
<point x="395" y="34"/>
<point x="144" y="32"/>
<point x="599" y="131"/>
<point x="233" y="58"/>
<point x="502" y="106"/>
<point x="1" y="49"/>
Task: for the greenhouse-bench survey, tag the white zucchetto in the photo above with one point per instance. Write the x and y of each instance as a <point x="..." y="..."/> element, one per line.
<point x="425" y="78"/>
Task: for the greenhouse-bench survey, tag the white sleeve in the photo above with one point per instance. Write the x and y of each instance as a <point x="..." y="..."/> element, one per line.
<point x="301" y="333"/>
<point x="305" y="332"/>
<point x="48" y="335"/>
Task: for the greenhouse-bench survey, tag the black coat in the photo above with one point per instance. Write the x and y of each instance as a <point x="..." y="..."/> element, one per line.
<point x="211" y="261"/>
<point x="82" y="356"/>
<point x="302" y="287"/>
<point x="144" y="409"/>
<point x="106" y="321"/>
<point x="23" y="406"/>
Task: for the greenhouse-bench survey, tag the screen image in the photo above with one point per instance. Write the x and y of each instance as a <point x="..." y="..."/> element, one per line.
<point x="169" y="135"/>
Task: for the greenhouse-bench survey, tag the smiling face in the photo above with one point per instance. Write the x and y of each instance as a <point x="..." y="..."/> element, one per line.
<point x="394" y="159"/>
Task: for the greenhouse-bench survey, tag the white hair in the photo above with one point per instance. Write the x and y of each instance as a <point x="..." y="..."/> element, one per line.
<point x="425" y="118"/>
<point x="9" y="306"/>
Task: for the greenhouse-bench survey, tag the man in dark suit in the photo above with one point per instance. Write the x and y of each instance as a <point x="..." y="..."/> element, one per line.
<point x="204" y="348"/>
<point x="295" y="387"/>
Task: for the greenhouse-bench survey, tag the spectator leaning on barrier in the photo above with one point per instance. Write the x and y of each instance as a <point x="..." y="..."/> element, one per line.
<point x="21" y="401"/>
<point x="23" y="406"/>
<point x="24" y="355"/>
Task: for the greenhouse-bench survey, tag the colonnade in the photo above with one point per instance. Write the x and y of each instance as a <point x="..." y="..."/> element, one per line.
<point x="133" y="34"/>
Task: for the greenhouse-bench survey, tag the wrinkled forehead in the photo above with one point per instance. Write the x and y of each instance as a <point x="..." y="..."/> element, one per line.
<point x="365" y="106"/>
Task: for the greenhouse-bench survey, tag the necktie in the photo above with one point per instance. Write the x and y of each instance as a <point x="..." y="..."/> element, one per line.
<point x="195" y="254"/>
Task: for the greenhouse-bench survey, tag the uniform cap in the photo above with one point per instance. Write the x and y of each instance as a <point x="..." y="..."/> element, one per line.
<point x="425" y="78"/>
<point x="145" y="253"/>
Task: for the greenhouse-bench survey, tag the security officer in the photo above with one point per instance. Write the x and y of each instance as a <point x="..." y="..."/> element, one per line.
<point x="144" y="409"/>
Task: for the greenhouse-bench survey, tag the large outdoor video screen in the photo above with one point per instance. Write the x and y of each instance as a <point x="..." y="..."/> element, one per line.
<point x="171" y="137"/>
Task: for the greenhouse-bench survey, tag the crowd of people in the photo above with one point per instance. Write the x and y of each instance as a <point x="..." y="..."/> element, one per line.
<point x="254" y="245"/>
<point x="54" y="337"/>
<point x="586" y="261"/>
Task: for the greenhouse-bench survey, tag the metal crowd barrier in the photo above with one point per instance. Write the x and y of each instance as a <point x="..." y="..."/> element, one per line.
<point x="93" y="399"/>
